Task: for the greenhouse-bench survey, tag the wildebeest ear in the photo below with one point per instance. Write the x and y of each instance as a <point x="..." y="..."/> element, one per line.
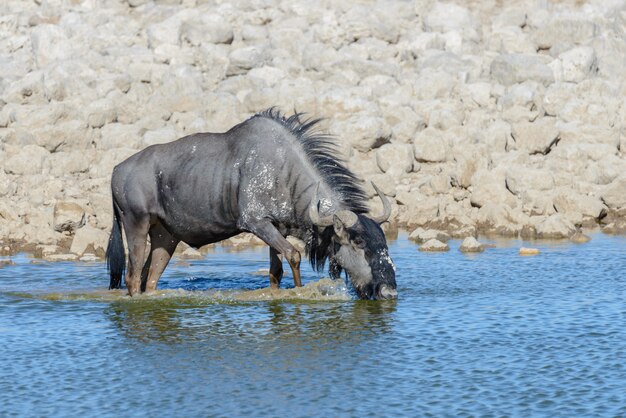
<point x="343" y="220"/>
<point x="340" y="230"/>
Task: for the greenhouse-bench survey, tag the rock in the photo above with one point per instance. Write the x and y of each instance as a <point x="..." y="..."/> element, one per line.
<point x="61" y="257"/>
<point x="430" y="146"/>
<point x="614" y="195"/>
<point x="508" y="69"/>
<point x="564" y="31"/>
<point x="520" y="179"/>
<point x="396" y="159"/>
<point x="421" y="235"/>
<point x="536" y="137"/>
<point x="68" y="216"/>
<point x="28" y="160"/>
<point x="568" y="201"/>
<point x="244" y="59"/>
<point x="489" y="186"/>
<point x="434" y="245"/>
<point x="579" y="237"/>
<point x="8" y="186"/>
<point x="117" y="135"/>
<point x="555" y="226"/>
<point x="191" y="254"/>
<point x="365" y="132"/>
<point x="209" y="28"/>
<point x="50" y="44"/>
<point x="471" y="245"/>
<point x="528" y="251"/>
<point x="445" y="17"/>
<point x="500" y="219"/>
<point x="578" y="63"/>
<point x="89" y="239"/>
<point x="159" y="136"/>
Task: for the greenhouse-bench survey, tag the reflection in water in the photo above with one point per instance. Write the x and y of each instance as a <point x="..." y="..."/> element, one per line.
<point x="175" y="321"/>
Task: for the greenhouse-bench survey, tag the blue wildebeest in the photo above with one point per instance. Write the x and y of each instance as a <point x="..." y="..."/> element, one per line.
<point x="272" y="176"/>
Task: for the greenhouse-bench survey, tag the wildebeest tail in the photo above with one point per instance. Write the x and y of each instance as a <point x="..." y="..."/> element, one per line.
<point x="115" y="256"/>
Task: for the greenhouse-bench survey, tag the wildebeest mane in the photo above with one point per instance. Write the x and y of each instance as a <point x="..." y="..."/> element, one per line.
<point x="321" y="150"/>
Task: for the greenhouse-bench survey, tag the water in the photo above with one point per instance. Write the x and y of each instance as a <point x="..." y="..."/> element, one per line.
<point x="491" y="334"/>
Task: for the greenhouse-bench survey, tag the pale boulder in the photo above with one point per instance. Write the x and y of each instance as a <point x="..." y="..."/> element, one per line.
<point x="578" y="64"/>
<point x="421" y="235"/>
<point x="520" y="178"/>
<point x="536" y="137"/>
<point x="159" y="136"/>
<point x="434" y="245"/>
<point x="68" y="216"/>
<point x="489" y="186"/>
<point x="471" y="245"/>
<point x="508" y="69"/>
<point x="366" y="132"/>
<point x="395" y="158"/>
<point x="89" y="239"/>
<point x="614" y="195"/>
<point x="430" y="145"/>
<point x="50" y="43"/>
<point x="500" y="219"/>
<point x="8" y="186"/>
<point x="567" y="200"/>
<point x="555" y="226"/>
<point x="29" y="159"/>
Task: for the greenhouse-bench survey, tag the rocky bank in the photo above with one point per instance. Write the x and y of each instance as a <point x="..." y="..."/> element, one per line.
<point x="472" y="116"/>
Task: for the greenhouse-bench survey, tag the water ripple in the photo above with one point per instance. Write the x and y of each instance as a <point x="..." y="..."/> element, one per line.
<point x="492" y="334"/>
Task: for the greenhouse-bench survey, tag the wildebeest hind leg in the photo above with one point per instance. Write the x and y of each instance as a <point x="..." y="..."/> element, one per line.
<point x="136" y="234"/>
<point x="268" y="233"/>
<point x="162" y="246"/>
<point x="276" y="269"/>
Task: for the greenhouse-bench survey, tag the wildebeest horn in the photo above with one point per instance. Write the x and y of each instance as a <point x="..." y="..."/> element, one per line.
<point x="386" y="207"/>
<point x="314" y="213"/>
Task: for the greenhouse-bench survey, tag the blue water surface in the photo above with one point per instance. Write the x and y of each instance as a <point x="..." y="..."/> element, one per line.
<point x="490" y="334"/>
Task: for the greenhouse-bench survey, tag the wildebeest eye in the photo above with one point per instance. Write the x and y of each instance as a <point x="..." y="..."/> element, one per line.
<point x="359" y="242"/>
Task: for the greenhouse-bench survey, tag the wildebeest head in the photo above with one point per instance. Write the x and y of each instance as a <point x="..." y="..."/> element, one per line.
<point x="360" y="248"/>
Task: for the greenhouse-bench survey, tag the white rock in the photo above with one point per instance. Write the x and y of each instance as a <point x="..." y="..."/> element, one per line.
<point x="444" y="17"/>
<point x="159" y="136"/>
<point x="578" y="63"/>
<point x="68" y="216"/>
<point x="520" y="178"/>
<point x="395" y="158"/>
<point x="430" y="145"/>
<point x="434" y="246"/>
<point x="536" y="137"/>
<point x="555" y="226"/>
<point x="568" y="201"/>
<point x="564" y="30"/>
<point x="8" y="186"/>
<point x="28" y="160"/>
<point x="50" y="44"/>
<point x="489" y="186"/>
<point x="509" y="69"/>
<point x="117" y="135"/>
<point x="244" y="59"/>
<point x="498" y="218"/>
<point x="614" y="196"/>
<point x="471" y="245"/>
<point x="421" y="235"/>
<point x="87" y="237"/>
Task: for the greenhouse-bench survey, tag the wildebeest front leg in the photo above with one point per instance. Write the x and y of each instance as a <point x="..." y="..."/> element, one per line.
<point x="276" y="269"/>
<point x="268" y="233"/>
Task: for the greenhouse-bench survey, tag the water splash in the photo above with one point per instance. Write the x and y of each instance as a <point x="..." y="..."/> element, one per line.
<point x="324" y="289"/>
